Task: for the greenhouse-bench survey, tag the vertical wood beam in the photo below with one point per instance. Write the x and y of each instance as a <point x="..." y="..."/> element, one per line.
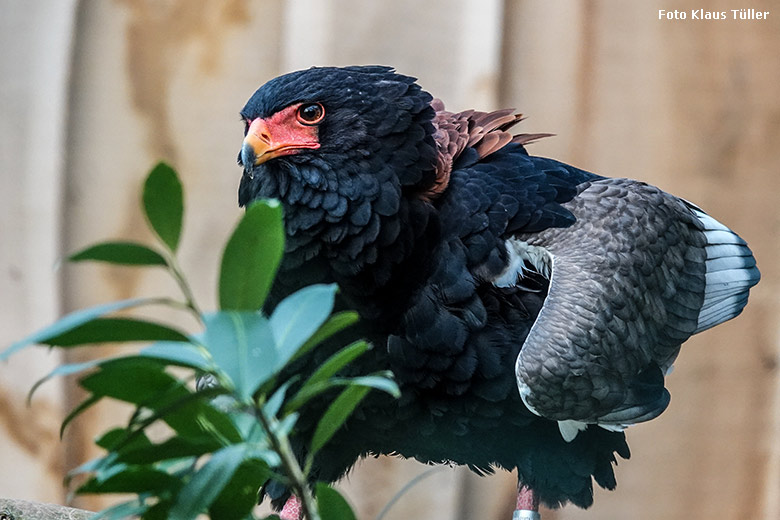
<point x="34" y="68"/>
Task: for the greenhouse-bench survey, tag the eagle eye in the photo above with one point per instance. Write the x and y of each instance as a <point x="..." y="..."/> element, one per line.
<point x="310" y="113"/>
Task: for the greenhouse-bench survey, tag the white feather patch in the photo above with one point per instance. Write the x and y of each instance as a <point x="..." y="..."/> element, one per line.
<point x="570" y="429"/>
<point x="519" y="253"/>
<point x="730" y="272"/>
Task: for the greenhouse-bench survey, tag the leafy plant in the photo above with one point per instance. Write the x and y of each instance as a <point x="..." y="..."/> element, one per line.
<point x="232" y="431"/>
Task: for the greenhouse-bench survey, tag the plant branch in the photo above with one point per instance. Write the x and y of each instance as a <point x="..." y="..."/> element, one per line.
<point x="300" y="485"/>
<point x="175" y="269"/>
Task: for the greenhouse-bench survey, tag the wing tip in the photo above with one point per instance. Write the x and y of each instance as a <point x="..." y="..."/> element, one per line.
<point x="730" y="273"/>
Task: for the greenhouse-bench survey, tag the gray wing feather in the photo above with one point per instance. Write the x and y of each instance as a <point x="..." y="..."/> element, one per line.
<point x="629" y="282"/>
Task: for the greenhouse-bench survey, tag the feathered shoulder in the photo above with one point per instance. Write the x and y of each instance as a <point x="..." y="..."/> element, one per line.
<point x="485" y="132"/>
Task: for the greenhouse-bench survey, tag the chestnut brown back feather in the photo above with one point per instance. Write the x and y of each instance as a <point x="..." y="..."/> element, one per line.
<point x="486" y="132"/>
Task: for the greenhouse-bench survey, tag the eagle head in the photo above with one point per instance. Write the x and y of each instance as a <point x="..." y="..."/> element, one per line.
<point x="339" y="147"/>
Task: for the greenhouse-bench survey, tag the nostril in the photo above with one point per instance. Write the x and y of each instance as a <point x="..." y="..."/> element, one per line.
<point x="262" y="135"/>
<point x="259" y="130"/>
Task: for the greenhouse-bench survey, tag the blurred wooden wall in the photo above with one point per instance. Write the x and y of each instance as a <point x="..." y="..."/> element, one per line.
<point x="94" y="92"/>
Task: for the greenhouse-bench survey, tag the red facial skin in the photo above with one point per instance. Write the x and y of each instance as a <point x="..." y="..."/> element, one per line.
<point x="281" y="134"/>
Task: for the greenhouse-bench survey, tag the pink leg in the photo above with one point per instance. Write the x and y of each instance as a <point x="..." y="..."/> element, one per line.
<point x="292" y="509"/>
<point x="527" y="504"/>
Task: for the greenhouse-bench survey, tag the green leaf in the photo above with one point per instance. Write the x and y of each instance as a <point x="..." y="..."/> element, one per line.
<point x="251" y="257"/>
<point x="164" y="204"/>
<point x="78" y="410"/>
<point x="159" y="511"/>
<point x="207" y="484"/>
<point x="120" y="253"/>
<point x="115" y="437"/>
<point x="285" y="426"/>
<point x="299" y="316"/>
<point x="133" y="479"/>
<point x="189" y="414"/>
<point x="193" y="416"/>
<point x="249" y="427"/>
<point x="318" y="381"/>
<point x="180" y="466"/>
<point x="207" y="422"/>
<point x="91" y="466"/>
<point x="336" y="323"/>
<point x="242" y="346"/>
<point x="338" y="361"/>
<point x="110" y="330"/>
<point x="380" y="381"/>
<point x="268" y="456"/>
<point x="145" y="383"/>
<point x="239" y="496"/>
<point x="74" y="320"/>
<point x="338" y="412"/>
<point x="134" y="379"/>
<point x="130" y="509"/>
<point x="274" y="404"/>
<point x="179" y="354"/>
<point x="173" y="448"/>
<point x="331" y="505"/>
<point x="64" y="370"/>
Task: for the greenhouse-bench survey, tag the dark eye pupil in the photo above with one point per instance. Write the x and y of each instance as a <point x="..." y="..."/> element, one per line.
<point x="311" y="112"/>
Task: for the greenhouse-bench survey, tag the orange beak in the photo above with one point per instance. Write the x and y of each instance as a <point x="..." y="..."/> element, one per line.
<point x="258" y="146"/>
<point x="266" y="140"/>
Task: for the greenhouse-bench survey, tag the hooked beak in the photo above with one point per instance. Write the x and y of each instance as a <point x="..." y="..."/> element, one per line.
<point x="262" y="144"/>
<point x="257" y="144"/>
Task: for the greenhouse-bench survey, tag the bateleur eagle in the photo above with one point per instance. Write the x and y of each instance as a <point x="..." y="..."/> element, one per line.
<point x="529" y="310"/>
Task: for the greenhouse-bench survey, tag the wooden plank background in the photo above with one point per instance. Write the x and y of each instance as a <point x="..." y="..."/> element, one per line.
<point x="94" y="92"/>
